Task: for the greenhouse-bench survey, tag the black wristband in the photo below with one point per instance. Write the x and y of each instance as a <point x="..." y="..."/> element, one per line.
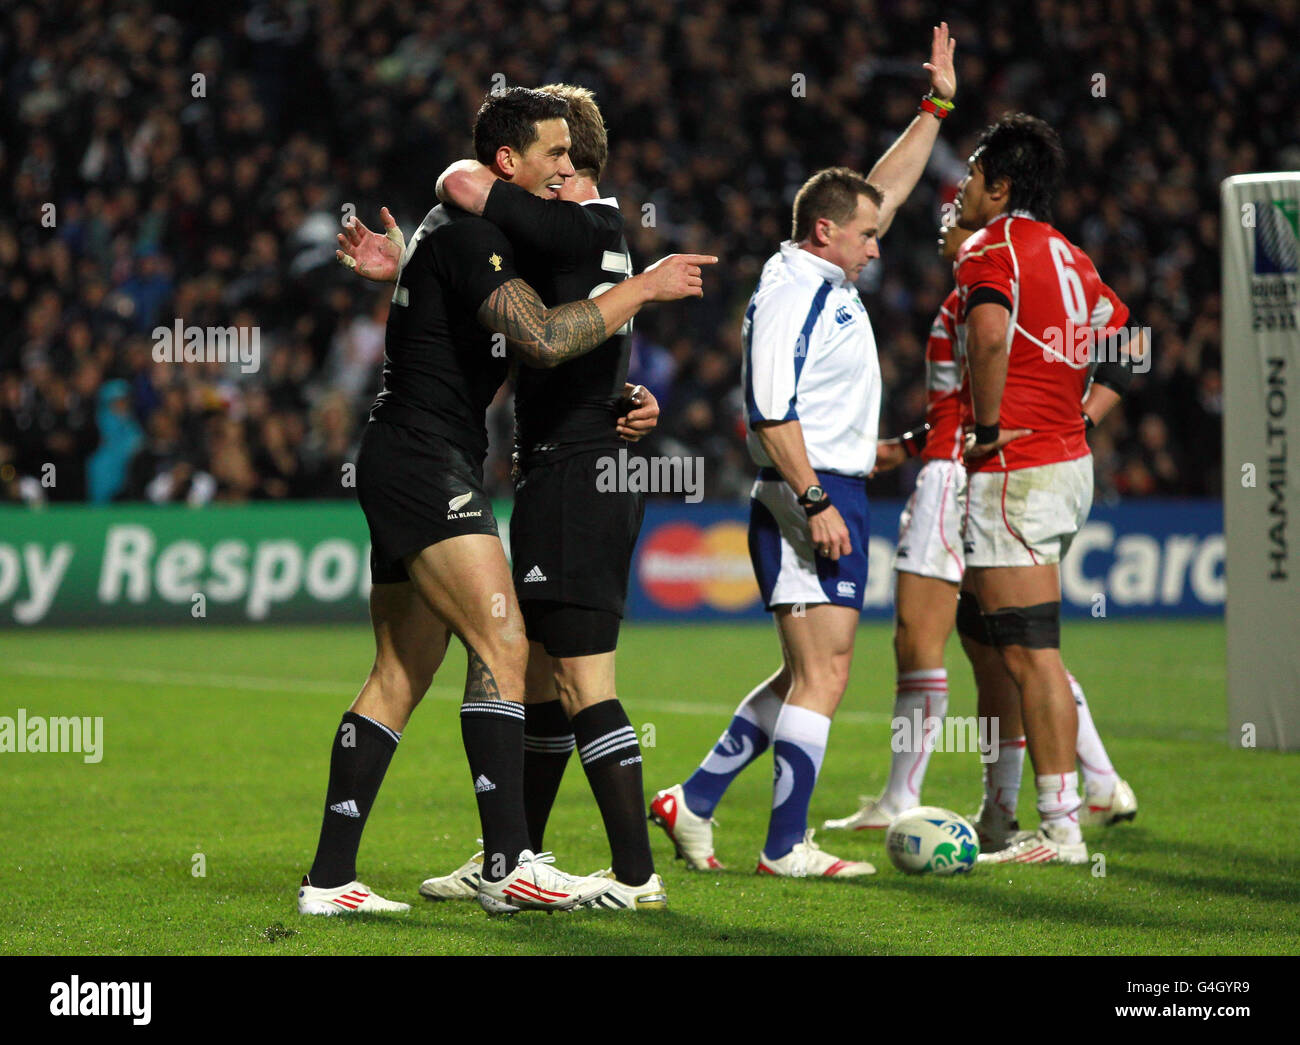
<point x="1088" y="423"/>
<point x="913" y="442"/>
<point x="985" y="434"/>
<point x="812" y="509"/>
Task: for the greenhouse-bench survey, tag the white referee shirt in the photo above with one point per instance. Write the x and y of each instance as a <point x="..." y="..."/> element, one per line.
<point x="810" y="354"/>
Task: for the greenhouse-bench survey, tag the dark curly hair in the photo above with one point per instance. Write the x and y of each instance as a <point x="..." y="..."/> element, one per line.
<point x="511" y="118"/>
<point x="1027" y="153"/>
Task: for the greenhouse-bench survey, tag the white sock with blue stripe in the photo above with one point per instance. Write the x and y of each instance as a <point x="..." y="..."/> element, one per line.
<point x="746" y="737"/>
<point x="798" y="747"/>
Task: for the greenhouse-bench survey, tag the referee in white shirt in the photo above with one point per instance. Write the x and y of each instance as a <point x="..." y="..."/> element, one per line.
<point x="812" y="395"/>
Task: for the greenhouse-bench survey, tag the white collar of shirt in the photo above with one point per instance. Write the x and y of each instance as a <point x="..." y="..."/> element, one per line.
<point x="805" y="263"/>
<point x="608" y="201"/>
<point x="1010" y="214"/>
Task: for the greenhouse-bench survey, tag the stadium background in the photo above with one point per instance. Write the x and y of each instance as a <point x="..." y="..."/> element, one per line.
<point x="199" y="161"/>
<point x="222" y="209"/>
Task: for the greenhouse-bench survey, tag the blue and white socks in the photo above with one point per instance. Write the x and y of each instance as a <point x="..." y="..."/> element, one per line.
<point x="747" y="737"/>
<point x="798" y="747"/>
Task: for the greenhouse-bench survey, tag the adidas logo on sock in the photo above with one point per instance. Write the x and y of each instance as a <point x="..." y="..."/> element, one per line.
<point x="483" y="784"/>
<point x="348" y="808"/>
<point x="535" y="574"/>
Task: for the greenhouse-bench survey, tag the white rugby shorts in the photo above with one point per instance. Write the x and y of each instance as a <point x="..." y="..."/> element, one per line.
<point x="1026" y="517"/>
<point x="929" y="530"/>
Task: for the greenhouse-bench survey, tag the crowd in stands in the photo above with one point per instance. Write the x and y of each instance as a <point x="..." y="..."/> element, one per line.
<point x="166" y="161"/>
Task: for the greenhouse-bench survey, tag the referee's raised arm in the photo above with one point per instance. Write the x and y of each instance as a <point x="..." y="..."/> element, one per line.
<point x="899" y="169"/>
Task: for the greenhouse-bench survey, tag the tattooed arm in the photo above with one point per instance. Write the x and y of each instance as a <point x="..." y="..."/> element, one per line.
<point x="546" y="337"/>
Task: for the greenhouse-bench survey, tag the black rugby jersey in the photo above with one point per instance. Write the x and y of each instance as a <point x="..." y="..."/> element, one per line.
<point x="441" y="366"/>
<point x="567" y="252"/>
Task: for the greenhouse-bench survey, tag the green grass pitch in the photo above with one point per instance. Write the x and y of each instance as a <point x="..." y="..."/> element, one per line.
<point x="216" y="743"/>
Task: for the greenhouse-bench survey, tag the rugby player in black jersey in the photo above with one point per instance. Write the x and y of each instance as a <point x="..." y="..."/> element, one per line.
<point x="437" y="564"/>
<point x="570" y="543"/>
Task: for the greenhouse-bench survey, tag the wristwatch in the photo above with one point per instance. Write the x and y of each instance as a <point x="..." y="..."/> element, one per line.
<point x="814" y="500"/>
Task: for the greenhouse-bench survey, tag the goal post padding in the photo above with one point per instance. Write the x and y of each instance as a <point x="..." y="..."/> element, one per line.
<point x="1261" y="456"/>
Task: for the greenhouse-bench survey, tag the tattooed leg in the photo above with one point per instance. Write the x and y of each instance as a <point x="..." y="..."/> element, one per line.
<point x="466" y="582"/>
<point x="480" y="683"/>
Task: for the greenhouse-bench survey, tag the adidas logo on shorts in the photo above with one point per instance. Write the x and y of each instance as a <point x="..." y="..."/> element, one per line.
<point x="483" y="784"/>
<point x="535" y="574"/>
<point x="348" y="808"/>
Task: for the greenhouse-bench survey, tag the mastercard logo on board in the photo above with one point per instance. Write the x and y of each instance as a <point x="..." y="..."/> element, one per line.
<point x="683" y="565"/>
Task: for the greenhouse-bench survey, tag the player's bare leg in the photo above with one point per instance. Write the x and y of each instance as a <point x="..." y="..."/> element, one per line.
<point x="1020" y="606"/>
<point x="539" y="677"/>
<point x="467" y="584"/>
<point x="410" y="642"/>
<point x="818" y="645"/>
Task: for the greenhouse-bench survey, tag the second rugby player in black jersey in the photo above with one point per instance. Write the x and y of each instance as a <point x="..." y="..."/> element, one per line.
<point x="571" y="543"/>
<point x="437" y="564"/>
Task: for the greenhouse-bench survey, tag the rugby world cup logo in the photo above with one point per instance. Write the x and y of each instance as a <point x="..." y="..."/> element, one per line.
<point x="1277" y="237"/>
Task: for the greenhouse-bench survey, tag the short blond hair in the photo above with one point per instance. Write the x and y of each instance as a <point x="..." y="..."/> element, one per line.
<point x="589" y="148"/>
<point x="831" y="193"/>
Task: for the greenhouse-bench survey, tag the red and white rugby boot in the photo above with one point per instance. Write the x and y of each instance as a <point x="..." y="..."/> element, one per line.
<point x="807" y="860"/>
<point x="993" y="826"/>
<point x="346" y="899"/>
<point x="691" y="835"/>
<point x="536" y="885"/>
<point x="875" y="814"/>
<point x="1037" y="847"/>
<point x="1102" y="811"/>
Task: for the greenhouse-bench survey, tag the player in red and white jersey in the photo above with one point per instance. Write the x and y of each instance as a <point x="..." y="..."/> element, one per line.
<point x="1051" y="306"/>
<point x="943" y="379"/>
<point x="929" y="567"/>
<point x="1031" y="306"/>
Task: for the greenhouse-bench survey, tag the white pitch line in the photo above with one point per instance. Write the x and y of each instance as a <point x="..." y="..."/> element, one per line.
<point x="339" y="689"/>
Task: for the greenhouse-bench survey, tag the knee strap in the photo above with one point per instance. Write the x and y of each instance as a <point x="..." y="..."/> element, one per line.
<point x="1034" y="627"/>
<point x="970" y="621"/>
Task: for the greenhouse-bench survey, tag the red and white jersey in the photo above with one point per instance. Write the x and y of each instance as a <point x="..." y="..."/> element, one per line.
<point x="945" y="385"/>
<point x="1059" y="305"/>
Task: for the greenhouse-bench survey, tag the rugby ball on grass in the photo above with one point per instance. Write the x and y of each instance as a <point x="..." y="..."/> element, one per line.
<point x="930" y="840"/>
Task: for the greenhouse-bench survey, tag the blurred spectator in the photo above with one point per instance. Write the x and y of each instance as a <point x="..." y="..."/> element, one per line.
<point x="120" y="437"/>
